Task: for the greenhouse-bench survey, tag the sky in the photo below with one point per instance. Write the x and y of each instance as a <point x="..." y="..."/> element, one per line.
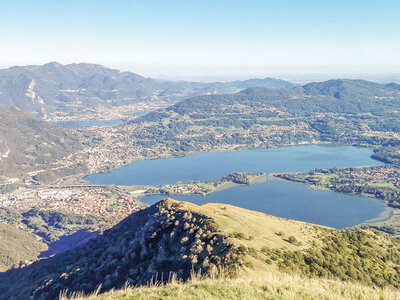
<point x="206" y="39"/>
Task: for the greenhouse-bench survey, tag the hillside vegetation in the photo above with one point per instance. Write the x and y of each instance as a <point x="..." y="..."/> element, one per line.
<point x="17" y="246"/>
<point x="180" y="238"/>
<point x="155" y="242"/>
<point x="28" y="144"/>
<point x="350" y="255"/>
<point x="334" y="111"/>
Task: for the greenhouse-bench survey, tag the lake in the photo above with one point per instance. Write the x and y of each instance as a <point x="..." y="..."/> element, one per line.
<point x="283" y="199"/>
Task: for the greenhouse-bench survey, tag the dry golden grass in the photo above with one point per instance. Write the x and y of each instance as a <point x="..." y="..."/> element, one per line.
<point x="265" y="229"/>
<point x="261" y="280"/>
<point x="272" y="285"/>
<point x="17" y="245"/>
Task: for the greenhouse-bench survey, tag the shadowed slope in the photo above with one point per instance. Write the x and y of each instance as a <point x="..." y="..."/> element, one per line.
<point x="152" y="243"/>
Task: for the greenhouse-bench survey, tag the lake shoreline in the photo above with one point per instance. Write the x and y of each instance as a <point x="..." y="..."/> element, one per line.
<point x="273" y="195"/>
<point x="385" y="217"/>
<point x="253" y="180"/>
<point x="205" y="188"/>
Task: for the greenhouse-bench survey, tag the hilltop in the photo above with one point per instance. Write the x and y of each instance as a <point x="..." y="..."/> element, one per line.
<point x="217" y="240"/>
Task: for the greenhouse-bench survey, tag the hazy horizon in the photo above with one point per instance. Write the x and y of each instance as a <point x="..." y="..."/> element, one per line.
<point x="212" y="77"/>
<point x="208" y="40"/>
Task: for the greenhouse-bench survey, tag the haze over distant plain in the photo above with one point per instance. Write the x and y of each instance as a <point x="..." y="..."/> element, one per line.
<point x="208" y="39"/>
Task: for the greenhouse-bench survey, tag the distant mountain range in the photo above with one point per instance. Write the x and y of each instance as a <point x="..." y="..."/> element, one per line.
<point x="55" y="91"/>
<point x="350" y="89"/>
<point x="333" y="96"/>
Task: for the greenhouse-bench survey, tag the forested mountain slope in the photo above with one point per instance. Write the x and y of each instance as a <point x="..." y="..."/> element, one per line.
<point x="29" y="144"/>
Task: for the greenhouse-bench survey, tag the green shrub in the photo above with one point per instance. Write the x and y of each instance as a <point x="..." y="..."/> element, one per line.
<point x="238" y="235"/>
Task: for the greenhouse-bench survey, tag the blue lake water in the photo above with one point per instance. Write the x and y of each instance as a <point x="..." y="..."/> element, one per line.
<point x="283" y="199"/>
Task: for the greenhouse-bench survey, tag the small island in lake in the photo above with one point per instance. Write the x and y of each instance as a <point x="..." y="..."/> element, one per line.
<point x="207" y="187"/>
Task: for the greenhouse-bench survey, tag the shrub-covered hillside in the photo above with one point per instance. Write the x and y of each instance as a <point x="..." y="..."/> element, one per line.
<point x="271" y="243"/>
<point x="150" y="244"/>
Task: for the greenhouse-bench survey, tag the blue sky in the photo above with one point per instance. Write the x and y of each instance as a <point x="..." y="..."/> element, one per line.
<point x="199" y="38"/>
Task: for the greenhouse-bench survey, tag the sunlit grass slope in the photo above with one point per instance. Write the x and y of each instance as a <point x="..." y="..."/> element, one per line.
<point x="272" y="285"/>
<point x="287" y="259"/>
<point x="16" y="246"/>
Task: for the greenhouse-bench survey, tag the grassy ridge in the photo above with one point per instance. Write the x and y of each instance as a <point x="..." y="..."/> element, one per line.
<point x="272" y="285"/>
<point x="366" y="256"/>
<point x="276" y="248"/>
<point x="173" y="237"/>
<point x="282" y="277"/>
